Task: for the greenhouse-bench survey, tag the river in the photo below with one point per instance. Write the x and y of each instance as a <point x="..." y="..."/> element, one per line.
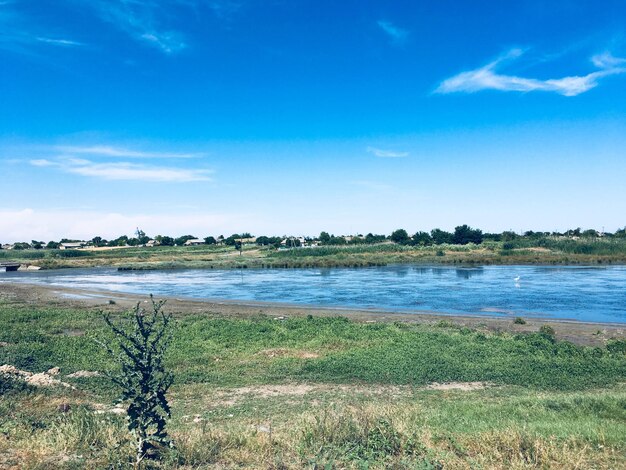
<point x="593" y="294"/>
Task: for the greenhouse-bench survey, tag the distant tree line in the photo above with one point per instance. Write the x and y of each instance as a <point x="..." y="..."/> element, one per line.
<point x="462" y="235"/>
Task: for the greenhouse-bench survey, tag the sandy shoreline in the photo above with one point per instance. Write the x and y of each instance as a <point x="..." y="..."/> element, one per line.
<point x="37" y="295"/>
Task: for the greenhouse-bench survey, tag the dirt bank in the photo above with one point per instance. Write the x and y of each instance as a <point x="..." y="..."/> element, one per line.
<point x="583" y="333"/>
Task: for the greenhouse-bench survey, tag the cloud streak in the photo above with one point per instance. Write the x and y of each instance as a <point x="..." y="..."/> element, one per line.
<point x="110" y="151"/>
<point x="21" y="35"/>
<point x="59" y="42"/>
<point x="124" y="171"/>
<point x="488" y="78"/>
<point x="397" y="35"/>
<point x="140" y="20"/>
<point x="386" y="153"/>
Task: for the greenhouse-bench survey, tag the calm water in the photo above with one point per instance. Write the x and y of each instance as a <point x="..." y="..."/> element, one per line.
<point x="580" y="293"/>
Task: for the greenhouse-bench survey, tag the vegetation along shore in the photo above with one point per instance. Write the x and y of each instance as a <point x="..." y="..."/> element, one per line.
<point x="463" y="246"/>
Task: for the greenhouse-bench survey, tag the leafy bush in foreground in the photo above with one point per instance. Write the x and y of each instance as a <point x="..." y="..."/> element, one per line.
<point x="143" y="380"/>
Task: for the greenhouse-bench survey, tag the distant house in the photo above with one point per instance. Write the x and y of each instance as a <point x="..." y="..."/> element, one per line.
<point x="72" y="246"/>
<point x="7" y="246"/>
<point x="194" y="242"/>
<point x="248" y="241"/>
<point x="150" y="243"/>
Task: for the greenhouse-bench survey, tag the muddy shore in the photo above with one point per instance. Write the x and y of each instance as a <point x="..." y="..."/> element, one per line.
<point x="584" y="333"/>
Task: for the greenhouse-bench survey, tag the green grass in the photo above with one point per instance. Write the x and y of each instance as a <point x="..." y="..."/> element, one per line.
<point x="225" y="351"/>
<point x="550" y="403"/>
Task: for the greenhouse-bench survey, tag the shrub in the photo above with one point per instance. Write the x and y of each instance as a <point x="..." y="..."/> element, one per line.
<point x="547" y="332"/>
<point x="144" y="382"/>
<point x="519" y="321"/>
<point x="616" y="346"/>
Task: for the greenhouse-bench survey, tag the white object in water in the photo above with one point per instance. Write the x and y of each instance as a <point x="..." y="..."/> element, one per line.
<point x="517" y="279"/>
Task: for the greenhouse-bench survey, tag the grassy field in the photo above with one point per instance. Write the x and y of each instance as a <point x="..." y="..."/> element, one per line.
<point x="313" y="392"/>
<point x="522" y="251"/>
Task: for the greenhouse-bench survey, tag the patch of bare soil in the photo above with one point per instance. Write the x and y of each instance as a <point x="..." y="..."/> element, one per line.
<point x="230" y="397"/>
<point x="284" y="352"/>
<point x="462" y="386"/>
<point x="42" y="379"/>
<point x="83" y="373"/>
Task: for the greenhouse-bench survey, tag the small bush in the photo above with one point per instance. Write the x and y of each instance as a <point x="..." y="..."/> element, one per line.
<point x="547" y="331"/>
<point x="616" y="346"/>
<point x="519" y="321"/>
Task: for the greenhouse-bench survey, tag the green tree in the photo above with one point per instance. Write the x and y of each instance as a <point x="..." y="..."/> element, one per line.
<point x="210" y="240"/>
<point x="422" y="239"/>
<point x="440" y="236"/>
<point x="262" y="240"/>
<point x="232" y="240"/>
<point x="52" y="245"/>
<point x="133" y="242"/>
<point x="371" y="238"/>
<point x="464" y="234"/>
<point x="141" y="341"/>
<point x="180" y="241"/>
<point x="336" y="240"/>
<point x="120" y="241"/>
<point x="324" y="238"/>
<point x="292" y="242"/>
<point x="508" y="236"/>
<point x="21" y="246"/>
<point x="589" y="234"/>
<point x="400" y="236"/>
<point x="165" y="240"/>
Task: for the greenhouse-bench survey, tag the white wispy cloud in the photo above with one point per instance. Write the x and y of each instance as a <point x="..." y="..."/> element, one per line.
<point x="59" y="42"/>
<point x="131" y="171"/>
<point x="487" y="78"/>
<point x="111" y="151"/>
<point x="142" y="20"/>
<point x="124" y="171"/>
<point x="168" y="41"/>
<point x="42" y="162"/>
<point x="21" y="34"/>
<point x="397" y="35"/>
<point x="387" y="153"/>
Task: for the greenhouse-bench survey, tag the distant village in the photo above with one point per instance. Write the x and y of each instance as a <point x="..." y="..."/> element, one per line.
<point x="141" y="240"/>
<point x="462" y="235"/>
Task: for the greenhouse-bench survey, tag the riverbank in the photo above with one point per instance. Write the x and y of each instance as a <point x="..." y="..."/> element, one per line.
<point x="273" y="386"/>
<point x="581" y="333"/>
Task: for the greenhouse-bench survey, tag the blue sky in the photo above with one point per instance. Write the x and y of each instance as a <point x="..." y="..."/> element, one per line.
<point x="291" y="117"/>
